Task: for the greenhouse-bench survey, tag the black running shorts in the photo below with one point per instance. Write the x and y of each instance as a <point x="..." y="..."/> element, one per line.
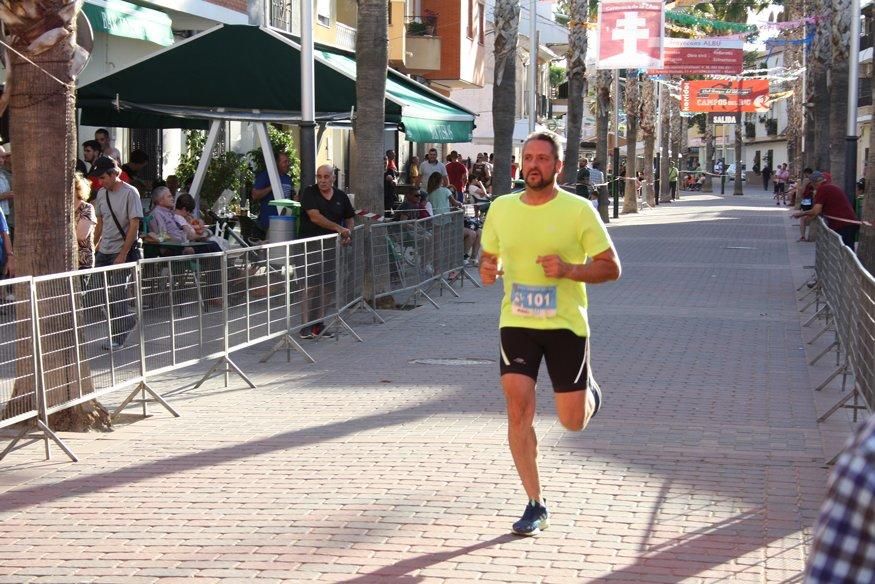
<point x="567" y="356"/>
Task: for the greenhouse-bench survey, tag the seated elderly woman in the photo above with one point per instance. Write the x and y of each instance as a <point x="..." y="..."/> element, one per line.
<point x="169" y="225"/>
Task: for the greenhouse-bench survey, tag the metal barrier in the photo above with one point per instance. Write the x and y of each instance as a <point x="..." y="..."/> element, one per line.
<point x="848" y="294"/>
<point x="21" y="395"/>
<point x="69" y="338"/>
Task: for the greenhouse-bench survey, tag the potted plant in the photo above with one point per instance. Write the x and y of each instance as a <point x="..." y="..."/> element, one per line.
<point x="430" y="19"/>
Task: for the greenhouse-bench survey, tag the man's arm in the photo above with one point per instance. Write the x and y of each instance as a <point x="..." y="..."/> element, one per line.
<point x="258" y="194"/>
<point x="133" y="232"/>
<point x="604" y="267"/>
<point x="98" y="230"/>
<point x="816" y="210"/>
<point x="320" y="220"/>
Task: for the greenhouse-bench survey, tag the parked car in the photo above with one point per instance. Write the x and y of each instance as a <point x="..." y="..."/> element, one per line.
<point x="730" y="172"/>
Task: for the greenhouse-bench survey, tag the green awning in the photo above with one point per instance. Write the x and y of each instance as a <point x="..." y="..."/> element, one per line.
<point x="427" y="116"/>
<point x="266" y="88"/>
<point x="123" y="19"/>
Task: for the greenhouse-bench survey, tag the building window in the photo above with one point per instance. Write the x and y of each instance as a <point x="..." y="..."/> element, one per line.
<point x="481" y="23"/>
<point x="323" y="12"/>
<point x="470" y="31"/>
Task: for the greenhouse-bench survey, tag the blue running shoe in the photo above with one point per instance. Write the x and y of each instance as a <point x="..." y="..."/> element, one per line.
<point x="534" y="520"/>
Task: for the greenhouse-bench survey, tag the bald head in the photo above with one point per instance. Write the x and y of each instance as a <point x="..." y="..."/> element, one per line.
<point x="325" y="178"/>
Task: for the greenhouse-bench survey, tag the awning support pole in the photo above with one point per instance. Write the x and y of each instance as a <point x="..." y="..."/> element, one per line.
<point x="269" y="161"/>
<point x="203" y="164"/>
<point x="308" y="98"/>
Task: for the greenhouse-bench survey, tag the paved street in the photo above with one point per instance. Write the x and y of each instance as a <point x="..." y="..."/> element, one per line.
<point x="704" y="465"/>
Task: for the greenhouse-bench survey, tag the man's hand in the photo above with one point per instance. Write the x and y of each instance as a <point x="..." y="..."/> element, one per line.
<point x="120" y="258"/>
<point x="553" y="266"/>
<point x="345" y="236"/>
<point x="10" y="267"/>
<point x="489" y="269"/>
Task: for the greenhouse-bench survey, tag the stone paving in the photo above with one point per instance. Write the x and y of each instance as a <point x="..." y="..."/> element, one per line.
<point x="704" y="465"/>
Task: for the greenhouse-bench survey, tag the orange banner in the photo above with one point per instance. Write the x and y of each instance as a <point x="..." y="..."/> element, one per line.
<point x="741" y="95"/>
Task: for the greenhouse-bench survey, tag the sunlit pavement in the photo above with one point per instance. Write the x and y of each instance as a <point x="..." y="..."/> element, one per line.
<point x="704" y="465"/>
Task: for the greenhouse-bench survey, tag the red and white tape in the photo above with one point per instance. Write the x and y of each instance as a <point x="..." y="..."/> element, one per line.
<point x="852" y="221"/>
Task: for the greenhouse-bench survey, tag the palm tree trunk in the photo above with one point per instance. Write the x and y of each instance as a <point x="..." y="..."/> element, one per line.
<point x="603" y="110"/>
<point x="676" y="130"/>
<point x="708" y="166"/>
<point x="576" y="59"/>
<point x="372" y="61"/>
<point x="738" y="188"/>
<point x="820" y="57"/>
<point x="633" y="107"/>
<point x="795" y="113"/>
<point x="838" y="90"/>
<point x="507" y="18"/>
<point x="665" y="145"/>
<point x="866" y="245"/>
<point x="648" y="132"/>
<point x="43" y="168"/>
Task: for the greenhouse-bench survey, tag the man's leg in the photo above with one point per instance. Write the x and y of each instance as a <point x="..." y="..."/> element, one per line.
<point x="519" y="393"/>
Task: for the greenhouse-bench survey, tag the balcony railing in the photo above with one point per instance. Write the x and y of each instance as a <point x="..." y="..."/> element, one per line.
<point x="425" y="25"/>
<point x="345" y="38"/>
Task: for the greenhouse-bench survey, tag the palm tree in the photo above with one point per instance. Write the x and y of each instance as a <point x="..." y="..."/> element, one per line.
<point x="576" y="58"/>
<point x="817" y="65"/>
<point x="507" y="20"/>
<point x="665" y="145"/>
<point x="795" y="113"/>
<point x="838" y="90"/>
<point x="648" y="132"/>
<point x="738" y="188"/>
<point x="372" y="61"/>
<point x="710" y="151"/>
<point x="633" y="107"/>
<point x="603" y="110"/>
<point x="866" y="246"/>
<point x="43" y="130"/>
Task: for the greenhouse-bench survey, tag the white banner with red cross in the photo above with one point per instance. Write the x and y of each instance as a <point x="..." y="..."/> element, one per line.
<point x="631" y="34"/>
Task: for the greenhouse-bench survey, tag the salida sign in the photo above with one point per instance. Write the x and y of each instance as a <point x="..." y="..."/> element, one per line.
<point x="630" y="34"/>
<point x="743" y="95"/>
<point x="701" y="57"/>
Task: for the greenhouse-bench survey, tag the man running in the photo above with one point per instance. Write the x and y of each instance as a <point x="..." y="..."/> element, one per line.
<point x="541" y="240"/>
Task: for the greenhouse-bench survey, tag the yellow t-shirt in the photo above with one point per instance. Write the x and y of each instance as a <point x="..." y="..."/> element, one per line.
<point x="517" y="233"/>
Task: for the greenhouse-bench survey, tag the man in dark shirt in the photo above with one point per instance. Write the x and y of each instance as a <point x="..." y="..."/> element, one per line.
<point x="325" y="210"/>
<point x="831" y="202"/>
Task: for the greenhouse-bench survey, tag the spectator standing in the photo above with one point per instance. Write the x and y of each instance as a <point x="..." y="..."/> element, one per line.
<point x="6" y="194"/>
<point x="413" y="176"/>
<point x="782" y="176"/>
<point x="480" y="170"/>
<point x="514" y="168"/>
<point x="325" y="210"/>
<point x="390" y="182"/>
<point x="7" y="256"/>
<point x="830" y="201"/>
<point x="766" y="174"/>
<point x="596" y="176"/>
<point x="119" y="213"/>
<point x="86" y="221"/>
<point x="431" y="165"/>
<point x="805" y="197"/>
<point x="673" y="180"/>
<point x="844" y="535"/>
<point x="90" y="152"/>
<point x="457" y="174"/>
<point x="106" y="148"/>
<point x="262" y="191"/>
<point x="390" y="157"/>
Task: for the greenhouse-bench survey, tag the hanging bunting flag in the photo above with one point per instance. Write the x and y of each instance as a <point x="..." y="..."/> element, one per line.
<point x="630" y="34"/>
<point x="701" y="57"/>
<point x="743" y="95"/>
<point x="687" y="19"/>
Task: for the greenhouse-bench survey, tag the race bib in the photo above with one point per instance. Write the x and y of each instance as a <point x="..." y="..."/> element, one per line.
<point x="533" y="301"/>
<point x="805" y="201"/>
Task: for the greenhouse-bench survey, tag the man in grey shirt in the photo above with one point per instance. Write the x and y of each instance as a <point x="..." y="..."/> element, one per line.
<point x="119" y="212"/>
<point x="431" y="165"/>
